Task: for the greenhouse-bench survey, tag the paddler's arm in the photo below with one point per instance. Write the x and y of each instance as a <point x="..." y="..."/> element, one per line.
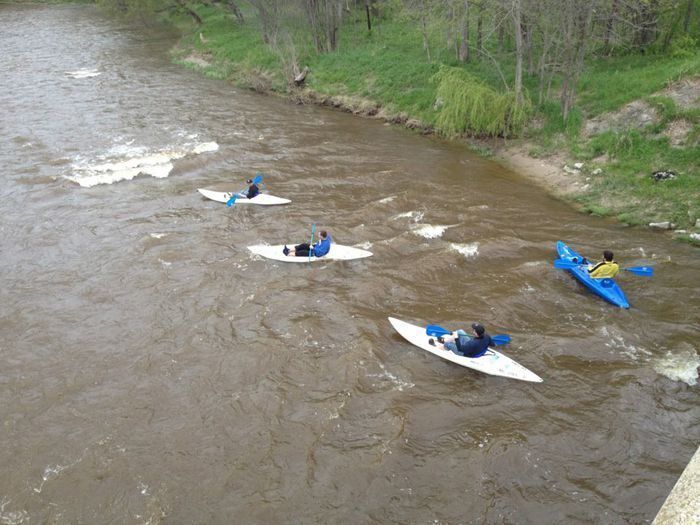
<point x="592" y="268"/>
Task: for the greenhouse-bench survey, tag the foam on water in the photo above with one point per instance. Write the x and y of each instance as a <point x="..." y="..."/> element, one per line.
<point x="363" y="245"/>
<point x="12" y="517"/>
<point x="398" y="383"/>
<point x="416" y="216"/>
<point x="405" y="215"/>
<point x="387" y="199"/>
<point x="680" y="365"/>
<point x="430" y="231"/>
<point x="468" y="250"/>
<point x="83" y="73"/>
<point x="124" y="162"/>
<point x="205" y="147"/>
<point x="617" y="343"/>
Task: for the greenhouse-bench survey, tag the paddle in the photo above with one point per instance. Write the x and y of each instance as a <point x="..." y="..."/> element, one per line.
<point x="646" y="271"/>
<point x="232" y="200"/>
<point x="436" y="331"/>
<point x="311" y="242"/>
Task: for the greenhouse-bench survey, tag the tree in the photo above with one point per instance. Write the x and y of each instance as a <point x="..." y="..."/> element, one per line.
<point x="576" y="23"/>
<point x="517" y="31"/>
<point x="268" y="13"/>
<point x="324" y="17"/>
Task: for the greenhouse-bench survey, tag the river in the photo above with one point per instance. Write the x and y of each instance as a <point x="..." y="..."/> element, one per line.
<point x="154" y="371"/>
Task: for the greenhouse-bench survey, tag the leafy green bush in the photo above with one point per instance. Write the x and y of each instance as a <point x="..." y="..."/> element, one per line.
<point x="466" y="104"/>
<point x="684" y="47"/>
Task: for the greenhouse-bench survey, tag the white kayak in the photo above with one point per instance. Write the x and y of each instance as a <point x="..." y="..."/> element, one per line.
<point x="262" y="199"/>
<point x="338" y="252"/>
<point x="492" y="362"/>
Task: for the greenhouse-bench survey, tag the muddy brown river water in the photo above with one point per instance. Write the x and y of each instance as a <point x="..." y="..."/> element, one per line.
<point x="154" y="371"/>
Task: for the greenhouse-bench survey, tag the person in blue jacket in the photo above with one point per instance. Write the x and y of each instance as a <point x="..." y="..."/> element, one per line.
<point x="461" y="344"/>
<point x="253" y="190"/>
<point x="321" y="248"/>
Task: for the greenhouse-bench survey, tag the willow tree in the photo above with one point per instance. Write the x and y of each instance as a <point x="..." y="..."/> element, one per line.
<point x="468" y="105"/>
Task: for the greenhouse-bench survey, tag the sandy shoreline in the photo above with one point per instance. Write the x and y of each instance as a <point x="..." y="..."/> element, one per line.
<point x="546" y="173"/>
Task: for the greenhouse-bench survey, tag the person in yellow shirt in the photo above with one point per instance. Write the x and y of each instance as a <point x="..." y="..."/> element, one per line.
<point x="607" y="268"/>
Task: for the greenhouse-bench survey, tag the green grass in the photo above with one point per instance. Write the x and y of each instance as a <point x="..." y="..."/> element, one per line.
<point x="609" y="84"/>
<point x="392" y="70"/>
<point x="627" y="189"/>
<point x="390" y="67"/>
<point x="237" y="50"/>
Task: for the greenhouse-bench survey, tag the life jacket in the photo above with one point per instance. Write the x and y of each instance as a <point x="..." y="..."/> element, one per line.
<point x="253" y="191"/>
<point x="322" y="247"/>
<point x="473" y="346"/>
<point x="604" y="269"/>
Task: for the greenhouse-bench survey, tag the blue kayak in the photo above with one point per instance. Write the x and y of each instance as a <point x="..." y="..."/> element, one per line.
<point x="605" y="288"/>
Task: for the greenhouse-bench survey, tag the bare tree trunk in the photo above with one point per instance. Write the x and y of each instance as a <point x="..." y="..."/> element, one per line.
<point x="236" y="11"/>
<point x="579" y="19"/>
<point x="369" y="19"/>
<point x="646" y="21"/>
<point x="479" y="34"/>
<point x="450" y="40"/>
<point x="671" y="32"/>
<point x="424" y="28"/>
<point x="688" y="15"/>
<point x="529" y="33"/>
<point x="518" y="85"/>
<point x="609" y="25"/>
<point x="464" y="46"/>
<point x="542" y="65"/>
<point x="267" y="11"/>
<point x="312" y="13"/>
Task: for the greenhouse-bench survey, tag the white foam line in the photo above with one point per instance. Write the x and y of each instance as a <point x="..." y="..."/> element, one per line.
<point x="83" y="73"/>
<point x="205" y="147"/>
<point x="680" y="366"/>
<point x="430" y="231"/>
<point x="138" y="162"/>
<point x="468" y="250"/>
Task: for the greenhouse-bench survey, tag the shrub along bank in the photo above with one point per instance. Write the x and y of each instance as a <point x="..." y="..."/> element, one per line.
<point x="387" y="74"/>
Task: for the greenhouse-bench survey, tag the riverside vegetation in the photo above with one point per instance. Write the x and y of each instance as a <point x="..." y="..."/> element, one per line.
<point x="611" y="87"/>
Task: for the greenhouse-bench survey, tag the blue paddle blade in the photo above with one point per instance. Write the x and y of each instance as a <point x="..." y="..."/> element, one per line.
<point x="434" y="330"/>
<point x="500" y="339"/>
<point x="646" y="271"/>
<point x="232" y="200"/>
<point x="258" y="179"/>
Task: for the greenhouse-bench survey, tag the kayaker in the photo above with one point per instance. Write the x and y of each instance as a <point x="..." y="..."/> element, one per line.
<point x="253" y="190"/>
<point x="607" y="268"/>
<point x="461" y="344"/>
<point x="321" y="248"/>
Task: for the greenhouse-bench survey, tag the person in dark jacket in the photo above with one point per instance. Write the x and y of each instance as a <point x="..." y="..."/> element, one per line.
<point x="321" y="248"/>
<point x="253" y="190"/>
<point x="461" y="344"/>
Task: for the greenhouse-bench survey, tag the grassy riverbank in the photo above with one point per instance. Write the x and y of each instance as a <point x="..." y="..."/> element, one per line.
<point x="387" y="74"/>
